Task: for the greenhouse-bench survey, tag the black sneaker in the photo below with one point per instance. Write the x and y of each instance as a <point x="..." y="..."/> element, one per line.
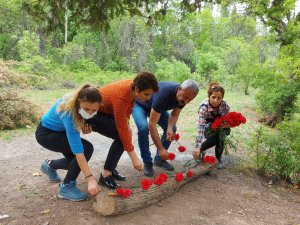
<point x="163" y="164"/>
<point x="148" y="169"/>
<point x="108" y="182"/>
<point x="117" y="175"/>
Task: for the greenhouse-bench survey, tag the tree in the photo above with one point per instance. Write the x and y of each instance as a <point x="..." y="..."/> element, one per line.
<point x="98" y="14"/>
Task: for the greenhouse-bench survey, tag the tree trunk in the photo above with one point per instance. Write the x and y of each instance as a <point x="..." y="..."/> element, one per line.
<point x="66" y="25"/>
<point x="110" y="204"/>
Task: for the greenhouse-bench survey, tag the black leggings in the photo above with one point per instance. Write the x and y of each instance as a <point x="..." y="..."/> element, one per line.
<point x="57" y="142"/>
<point x="215" y="140"/>
<point x="105" y="124"/>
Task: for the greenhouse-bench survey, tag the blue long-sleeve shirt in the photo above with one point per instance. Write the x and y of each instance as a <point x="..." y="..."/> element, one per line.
<point x="63" y="122"/>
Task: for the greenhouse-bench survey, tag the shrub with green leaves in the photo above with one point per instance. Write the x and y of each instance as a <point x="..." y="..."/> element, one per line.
<point x="278" y="99"/>
<point x="277" y="152"/>
<point x="172" y="71"/>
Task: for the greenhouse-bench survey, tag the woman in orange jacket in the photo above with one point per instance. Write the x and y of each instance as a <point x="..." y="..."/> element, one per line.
<point x="112" y="120"/>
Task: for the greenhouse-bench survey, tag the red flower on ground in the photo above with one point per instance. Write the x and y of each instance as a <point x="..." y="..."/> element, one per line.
<point x="163" y="176"/>
<point x="125" y="193"/>
<point x="171" y="156"/>
<point x="190" y="173"/>
<point x="146" y="183"/>
<point x="179" y="177"/>
<point x="119" y="191"/>
<point x="176" y="137"/>
<point x="181" y="148"/>
<point x="209" y="159"/>
<point x="159" y="180"/>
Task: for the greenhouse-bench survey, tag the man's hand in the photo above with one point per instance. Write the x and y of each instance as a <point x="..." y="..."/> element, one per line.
<point x="163" y="154"/>
<point x="196" y="153"/>
<point x="170" y="135"/>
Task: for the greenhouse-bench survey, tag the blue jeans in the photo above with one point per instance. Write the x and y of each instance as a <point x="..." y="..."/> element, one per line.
<point x="140" y="115"/>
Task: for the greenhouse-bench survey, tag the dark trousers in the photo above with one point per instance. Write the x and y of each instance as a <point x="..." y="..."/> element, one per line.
<point x="105" y="124"/>
<point x="217" y="139"/>
<point x="58" y="142"/>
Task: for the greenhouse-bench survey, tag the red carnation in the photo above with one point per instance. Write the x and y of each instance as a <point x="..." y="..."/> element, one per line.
<point x="209" y="159"/>
<point x="126" y="193"/>
<point x="119" y="191"/>
<point x="217" y="123"/>
<point x="176" y="137"/>
<point x="146" y="183"/>
<point x="181" y="148"/>
<point x="163" y="176"/>
<point x="159" y="180"/>
<point x="171" y="156"/>
<point x="179" y="177"/>
<point x="189" y="173"/>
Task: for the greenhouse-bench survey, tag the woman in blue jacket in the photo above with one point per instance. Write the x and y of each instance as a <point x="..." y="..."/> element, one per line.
<point x="59" y="131"/>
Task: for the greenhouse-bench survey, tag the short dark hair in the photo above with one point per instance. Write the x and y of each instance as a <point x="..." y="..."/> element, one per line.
<point x="145" y="80"/>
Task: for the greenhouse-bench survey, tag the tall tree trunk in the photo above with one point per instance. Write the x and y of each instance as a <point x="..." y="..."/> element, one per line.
<point x="66" y="24"/>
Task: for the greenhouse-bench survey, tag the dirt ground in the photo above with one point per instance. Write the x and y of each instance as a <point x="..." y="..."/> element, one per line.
<point x="224" y="197"/>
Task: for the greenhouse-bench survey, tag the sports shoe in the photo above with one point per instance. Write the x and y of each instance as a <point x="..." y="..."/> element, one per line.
<point x="108" y="182"/>
<point x="220" y="165"/>
<point x="163" y="164"/>
<point x="51" y="173"/>
<point x="71" y="192"/>
<point x="148" y="169"/>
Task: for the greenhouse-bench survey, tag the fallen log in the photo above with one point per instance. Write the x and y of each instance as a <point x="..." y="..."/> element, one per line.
<point x="110" y="204"/>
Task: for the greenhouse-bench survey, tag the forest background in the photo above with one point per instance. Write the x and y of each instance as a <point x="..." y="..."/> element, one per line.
<point x="250" y="47"/>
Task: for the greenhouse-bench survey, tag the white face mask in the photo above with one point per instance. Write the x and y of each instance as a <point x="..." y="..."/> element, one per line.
<point x="85" y="115"/>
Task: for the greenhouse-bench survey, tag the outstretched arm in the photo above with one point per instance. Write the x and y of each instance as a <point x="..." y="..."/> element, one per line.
<point x="171" y="123"/>
<point x="154" y="118"/>
<point x="93" y="186"/>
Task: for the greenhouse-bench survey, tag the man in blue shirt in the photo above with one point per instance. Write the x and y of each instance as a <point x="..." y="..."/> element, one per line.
<point x="171" y="96"/>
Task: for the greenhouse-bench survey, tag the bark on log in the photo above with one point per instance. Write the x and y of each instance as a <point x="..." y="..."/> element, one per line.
<point x="110" y="204"/>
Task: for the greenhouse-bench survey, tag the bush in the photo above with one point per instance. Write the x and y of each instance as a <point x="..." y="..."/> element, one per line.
<point x="278" y="100"/>
<point x="28" y="45"/>
<point x="16" y="111"/>
<point x="9" y="78"/>
<point x="173" y="70"/>
<point x="277" y="152"/>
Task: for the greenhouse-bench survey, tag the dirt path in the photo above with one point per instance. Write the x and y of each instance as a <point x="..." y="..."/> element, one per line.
<point x="225" y="197"/>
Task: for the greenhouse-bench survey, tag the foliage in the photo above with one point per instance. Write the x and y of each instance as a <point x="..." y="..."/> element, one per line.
<point x="168" y="70"/>
<point x="278" y="15"/>
<point x="28" y="45"/>
<point x="273" y="99"/>
<point x="99" y="14"/>
<point x="277" y="152"/>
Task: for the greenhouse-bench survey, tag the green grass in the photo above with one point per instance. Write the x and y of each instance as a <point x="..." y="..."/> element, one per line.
<point x="45" y="98"/>
<point x="7" y="135"/>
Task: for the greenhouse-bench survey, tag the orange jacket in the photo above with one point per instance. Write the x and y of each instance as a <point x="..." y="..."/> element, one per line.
<point x="116" y="101"/>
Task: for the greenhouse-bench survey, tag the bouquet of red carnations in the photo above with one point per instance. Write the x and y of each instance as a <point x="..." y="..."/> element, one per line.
<point x="232" y="119"/>
<point x="220" y="126"/>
